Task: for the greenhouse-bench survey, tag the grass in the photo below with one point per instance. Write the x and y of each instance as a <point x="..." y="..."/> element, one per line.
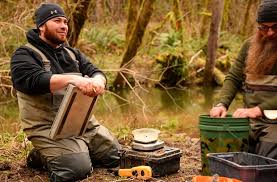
<point x="9" y="109"/>
<point x="106" y="40"/>
<point x="171" y="124"/>
<point x="13" y="147"/>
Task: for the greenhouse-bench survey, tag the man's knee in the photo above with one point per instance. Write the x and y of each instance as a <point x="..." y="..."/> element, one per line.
<point x="103" y="147"/>
<point x="109" y="155"/>
<point x="109" y="159"/>
<point x="70" y="167"/>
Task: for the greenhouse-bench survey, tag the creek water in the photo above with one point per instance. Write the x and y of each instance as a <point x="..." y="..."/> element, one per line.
<point x="171" y="109"/>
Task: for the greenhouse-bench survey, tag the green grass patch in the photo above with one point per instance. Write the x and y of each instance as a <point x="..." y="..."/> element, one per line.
<point x="13" y="147"/>
<point x="106" y="39"/>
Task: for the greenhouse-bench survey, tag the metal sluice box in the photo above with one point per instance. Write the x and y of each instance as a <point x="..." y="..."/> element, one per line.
<point x="73" y="115"/>
<point x="163" y="161"/>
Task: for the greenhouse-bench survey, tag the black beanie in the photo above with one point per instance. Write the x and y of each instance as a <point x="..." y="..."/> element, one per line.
<point x="267" y="11"/>
<point x="46" y="12"/>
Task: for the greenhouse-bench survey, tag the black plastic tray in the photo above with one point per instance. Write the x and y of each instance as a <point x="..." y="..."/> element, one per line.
<point x="243" y="166"/>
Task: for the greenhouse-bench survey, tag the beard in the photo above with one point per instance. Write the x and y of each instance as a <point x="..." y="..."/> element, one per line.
<point x="262" y="56"/>
<point x="52" y="37"/>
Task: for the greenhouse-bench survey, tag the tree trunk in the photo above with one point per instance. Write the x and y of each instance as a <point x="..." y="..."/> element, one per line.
<point x="118" y="9"/>
<point x="78" y="19"/>
<point x="204" y="19"/>
<point x="103" y="14"/>
<point x="246" y="17"/>
<point x="133" y="7"/>
<point x="225" y="16"/>
<point x="136" y="38"/>
<point x="94" y="11"/>
<point x="188" y="4"/>
<point x="212" y="41"/>
<point x="179" y="19"/>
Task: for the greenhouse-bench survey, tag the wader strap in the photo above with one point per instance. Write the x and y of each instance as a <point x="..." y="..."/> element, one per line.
<point x="45" y="61"/>
<point x="73" y="56"/>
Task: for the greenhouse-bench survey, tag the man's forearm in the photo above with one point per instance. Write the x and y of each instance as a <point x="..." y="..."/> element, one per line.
<point x="59" y="81"/>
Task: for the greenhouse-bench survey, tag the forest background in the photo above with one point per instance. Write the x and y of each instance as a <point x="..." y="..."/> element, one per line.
<point x="139" y="44"/>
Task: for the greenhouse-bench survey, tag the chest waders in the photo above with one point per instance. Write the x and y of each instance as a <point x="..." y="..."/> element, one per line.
<point x="40" y="110"/>
<point x="68" y="159"/>
<point x="263" y="130"/>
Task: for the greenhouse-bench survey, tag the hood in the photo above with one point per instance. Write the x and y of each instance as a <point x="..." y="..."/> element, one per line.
<point x="34" y="39"/>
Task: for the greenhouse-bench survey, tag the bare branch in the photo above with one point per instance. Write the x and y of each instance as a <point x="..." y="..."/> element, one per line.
<point x="128" y="83"/>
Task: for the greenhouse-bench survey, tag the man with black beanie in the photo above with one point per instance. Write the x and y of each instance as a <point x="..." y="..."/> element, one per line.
<point x="39" y="70"/>
<point x="255" y="71"/>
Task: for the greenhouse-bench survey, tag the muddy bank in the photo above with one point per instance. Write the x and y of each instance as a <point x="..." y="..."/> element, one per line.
<point x="190" y="164"/>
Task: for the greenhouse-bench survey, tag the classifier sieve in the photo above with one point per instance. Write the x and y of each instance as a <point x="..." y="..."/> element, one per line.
<point x="146" y="135"/>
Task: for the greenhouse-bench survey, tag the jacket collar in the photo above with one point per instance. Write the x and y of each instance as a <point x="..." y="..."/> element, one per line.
<point x="33" y="38"/>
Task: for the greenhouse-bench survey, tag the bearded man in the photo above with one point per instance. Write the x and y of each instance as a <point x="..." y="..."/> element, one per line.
<point x="255" y="71"/>
<point x="39" y="70"/>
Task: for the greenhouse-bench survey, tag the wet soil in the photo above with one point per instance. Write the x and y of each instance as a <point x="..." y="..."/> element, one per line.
<point x="190" y="165"/>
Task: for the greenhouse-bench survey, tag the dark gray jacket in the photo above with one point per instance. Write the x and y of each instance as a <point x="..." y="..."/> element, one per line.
<point x="28" y="73"/>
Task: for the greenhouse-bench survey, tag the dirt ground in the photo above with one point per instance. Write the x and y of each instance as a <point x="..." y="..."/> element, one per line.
<point x="190" y="165"/>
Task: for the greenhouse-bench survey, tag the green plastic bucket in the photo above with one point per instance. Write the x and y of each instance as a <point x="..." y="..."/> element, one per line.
<point x="222" y="135"/>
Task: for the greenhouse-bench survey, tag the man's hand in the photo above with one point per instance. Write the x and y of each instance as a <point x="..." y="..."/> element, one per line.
<point x="98" y="85"/>
<point x="218" y="111"/>
<point x="90" y="86"/>
<point x="253" y="112"/>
